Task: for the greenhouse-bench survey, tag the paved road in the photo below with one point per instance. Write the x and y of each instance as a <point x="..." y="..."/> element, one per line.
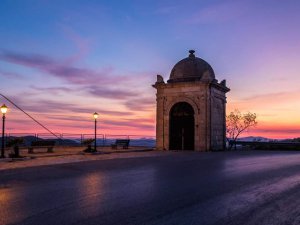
<point x="172" y="188"/>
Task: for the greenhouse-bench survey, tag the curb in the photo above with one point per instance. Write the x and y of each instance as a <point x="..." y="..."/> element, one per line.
<point x="117" y="151"/>
<point x="8" y="159"/>
<point x="33" y="156"/>
<point x="5" y="159"/>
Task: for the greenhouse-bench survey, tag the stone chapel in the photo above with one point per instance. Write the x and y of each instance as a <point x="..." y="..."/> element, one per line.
<point x="191" y="108"/>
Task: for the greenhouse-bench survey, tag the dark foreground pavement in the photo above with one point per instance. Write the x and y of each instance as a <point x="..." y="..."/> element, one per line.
<point x="172" y="188"/>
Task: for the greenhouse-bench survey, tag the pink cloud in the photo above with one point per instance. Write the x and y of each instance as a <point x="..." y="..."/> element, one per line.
<point x="141" y="104"/>
<point x="105" y="92"/>
<point x="82" y="44"/>
<point x="72" y="74"/>
<point x="103" y="80"/>
<point x="276" y="132"/>
<point x="132" y="123"/>
<point x="281" y="100"/>
<point x="53" y="90"/>
<point x="50" y="106"/>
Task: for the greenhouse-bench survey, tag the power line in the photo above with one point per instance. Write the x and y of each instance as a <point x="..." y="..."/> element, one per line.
<point x="30" y="116"/>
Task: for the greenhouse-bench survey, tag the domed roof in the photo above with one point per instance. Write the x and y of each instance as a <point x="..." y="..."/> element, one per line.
<point x="191" y="68"/>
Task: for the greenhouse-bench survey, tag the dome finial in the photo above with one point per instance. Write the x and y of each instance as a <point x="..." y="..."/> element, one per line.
<point x="191" y="53"/>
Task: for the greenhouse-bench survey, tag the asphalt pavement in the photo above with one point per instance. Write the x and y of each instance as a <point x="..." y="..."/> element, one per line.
<point x="253" y="187"/>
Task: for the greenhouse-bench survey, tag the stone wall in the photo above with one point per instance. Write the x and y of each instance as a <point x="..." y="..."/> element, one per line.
<point x="218" y="126"/>
<point x="209" y="104"/>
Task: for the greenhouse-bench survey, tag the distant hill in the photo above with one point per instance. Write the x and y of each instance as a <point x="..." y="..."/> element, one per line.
<point x="292" y="140"/>
<point x="264" y="139"/>
<point x="29" y="139"/>
<point x="255" y="138"/>
<point x="145" y="142"/>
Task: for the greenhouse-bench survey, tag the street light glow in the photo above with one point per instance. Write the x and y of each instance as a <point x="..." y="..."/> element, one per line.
<point x="95" y="115"/>
<point x="4" y="109"/>
<point x="95" y="141"/>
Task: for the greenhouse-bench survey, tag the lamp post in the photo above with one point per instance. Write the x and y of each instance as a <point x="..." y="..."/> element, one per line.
<point x="3" y="110"/>
<point x="95" y="143"/>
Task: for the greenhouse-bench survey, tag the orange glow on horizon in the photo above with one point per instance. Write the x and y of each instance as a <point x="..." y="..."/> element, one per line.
<point x="270" y="124"/>
<point x="277" y="114"/>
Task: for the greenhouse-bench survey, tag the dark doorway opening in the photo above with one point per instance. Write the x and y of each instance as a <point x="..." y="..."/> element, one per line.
<point x="182" y="127"/>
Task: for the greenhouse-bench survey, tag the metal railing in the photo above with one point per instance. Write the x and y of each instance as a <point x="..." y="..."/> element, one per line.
<point x="70" y="139"/>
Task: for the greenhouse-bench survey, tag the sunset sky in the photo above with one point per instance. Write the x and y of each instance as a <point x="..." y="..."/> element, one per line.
<point x="63" y="60"/>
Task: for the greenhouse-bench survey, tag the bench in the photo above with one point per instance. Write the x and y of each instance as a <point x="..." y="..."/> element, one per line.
<point x="41" y="144"/>
<point x="121" y="142"/>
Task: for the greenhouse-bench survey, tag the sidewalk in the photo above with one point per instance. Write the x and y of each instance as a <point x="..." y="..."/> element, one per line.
<point x="72" y="154"/>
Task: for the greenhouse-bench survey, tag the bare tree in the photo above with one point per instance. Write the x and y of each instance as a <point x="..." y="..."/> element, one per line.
<point x="237" y="123"/>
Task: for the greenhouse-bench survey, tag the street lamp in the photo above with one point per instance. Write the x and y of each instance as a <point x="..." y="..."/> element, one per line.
<point x="3" y="111"/>
<point x="95" y="143"/>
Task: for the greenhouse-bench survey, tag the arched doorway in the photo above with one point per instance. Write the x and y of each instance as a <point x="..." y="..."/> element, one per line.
<point x="182" y="125"/>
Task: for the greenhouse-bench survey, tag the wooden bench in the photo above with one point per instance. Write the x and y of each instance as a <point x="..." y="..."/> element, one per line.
<point x="121" y="142"/>
<point x="41" y="144"/>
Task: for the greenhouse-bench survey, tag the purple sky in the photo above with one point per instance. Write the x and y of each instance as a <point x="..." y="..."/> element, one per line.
<point x="63" y="60"/>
